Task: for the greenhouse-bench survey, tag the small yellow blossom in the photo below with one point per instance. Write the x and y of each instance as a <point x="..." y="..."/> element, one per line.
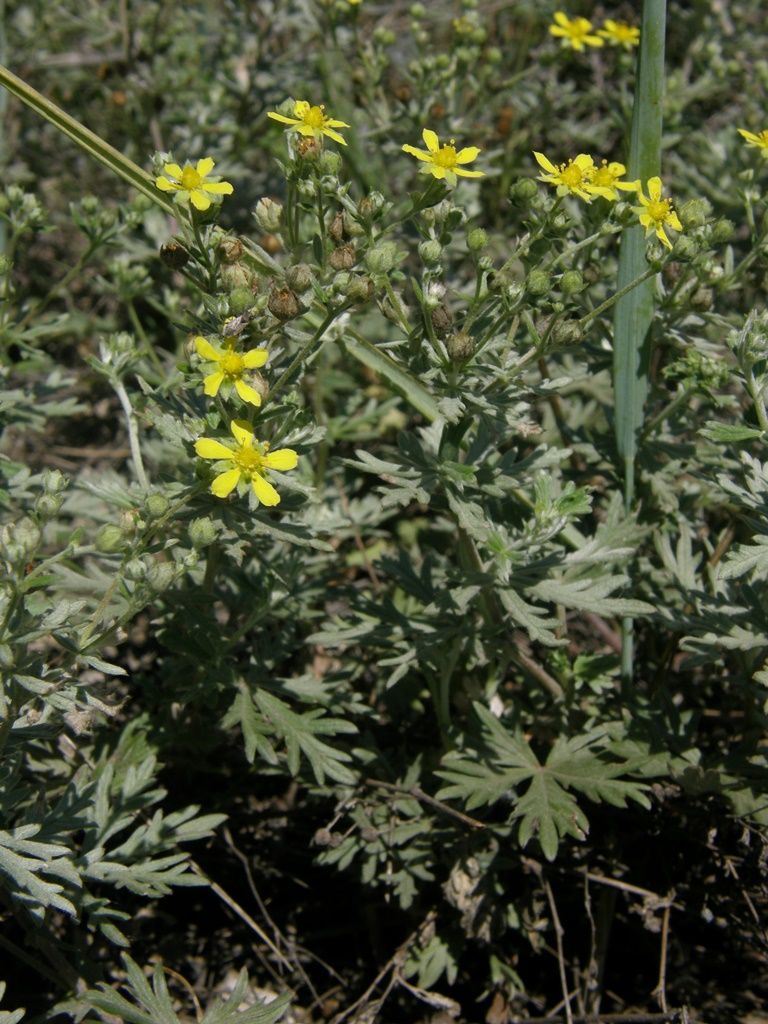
<point x="463" y="26"/>
<point x="247" y="463"/>
<point x="574" y="178"/>
<point x="230" y="366"/>
<point x="760" y="140"/>
<point x="619" y="33"/>
<point x="190" y="186"/>
<point x="311" y="121"/>
<point x="608" y="175"/>
<point x="575" y="33"/>
<point x="655" y="212"/>
<point x="443" y="161"/>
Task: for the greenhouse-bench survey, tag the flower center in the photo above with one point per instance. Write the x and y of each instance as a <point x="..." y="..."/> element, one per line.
<point x="571" y="175"/>
<point x="248" y="460"/>
<point x="659" y="211"/>
<point x="314" y="117"/>
<point x="578" y="28"/>
<point x="445" y="156"/>
<point x="232" y="364"/>
<point x="603" y="176"/>
<point x="190" y="179"/>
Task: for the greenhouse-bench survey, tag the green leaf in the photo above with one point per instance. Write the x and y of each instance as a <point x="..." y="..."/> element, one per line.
<point x="300" y="731"/>
<point x="547" y="809"/>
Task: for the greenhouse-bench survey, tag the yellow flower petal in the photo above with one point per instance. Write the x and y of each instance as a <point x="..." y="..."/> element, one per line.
<point x="174" y="170"/>
<point x="264" y="491"/>
<point x="199" y="200"/>
<point x="430" y="140"/>
<point x="285" y="458"/>
<point x="254" y="358"/>
<point x="206" y="350"/>
<point x="226" y="483"/>
<point x="218" y="188"/>
<point x="542" y="161"/>
<point x="212" y="383"/>
<point x="207" y="448"/>
<point x="247" y="393"/>
<point x="205" y="166"/>
<point x="242" y="431"/>
<point x="418" y="153"/>
<point x="164" y="185"/>
<point x="467" y="155"/>
<point x="281" y="117"/>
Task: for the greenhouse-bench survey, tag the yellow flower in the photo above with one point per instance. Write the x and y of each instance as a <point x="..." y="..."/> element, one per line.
<point x="574" y="178"/>
<point x="655" y="212"/>
<point x="619" y="33"/>
<point x="608" y="175"/>
<point x="230" y="367"/>
<point x="574" y="33"/>
<point x="311" y="121"/>
<point x="444" y="161"/>
<point x="246" y="463"/>
<point x="190" y="186"/>
<point x="760" y="140"/>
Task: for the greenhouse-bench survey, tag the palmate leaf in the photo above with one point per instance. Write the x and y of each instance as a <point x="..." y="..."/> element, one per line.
<point x="547" y="808"/>
<point x="153" y="1004"/>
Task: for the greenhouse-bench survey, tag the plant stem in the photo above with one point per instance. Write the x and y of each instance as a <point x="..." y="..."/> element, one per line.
<point x="133" y="433"/>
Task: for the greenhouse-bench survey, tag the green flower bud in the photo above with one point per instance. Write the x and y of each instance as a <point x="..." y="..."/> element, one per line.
<point x="110" y="539"/>
<point x="538" y="283"/>
<point x="160" y="576"/>
<point x="330" y="162"/>
<point x="477" y="240"/>
<point x="156" y="505"/>
<point x="685" y="248"/>
<point x="202" y="532"/>
<point x="53" y="481"/>
<point x="382" y="258"/>
<point x="341" y="282"/>
<point x="430" y="252"/>
<point x="47" y="505"/>
<point x="268" y="214"/>
<point x="702" y="299"/>
<point x="567" y="332"/>
<point x="385" y="36"/>
<point x="135" y="570"/>
<point x="493" y="55"/>
<point x="498" y="280"/>
<point x="19" y="541"/>
<point x="523" y="190"/>
<point x="694" y="213"/>
<point x="417" y="11"/>
<point x="722" y="231"/>
<point x="299" y="277"/>
<point x="240" y="300"/>
<point x="5" y="264"/>
<point x="359" y="289"/>
<point x="236" y="275"/>
<point x="571" y="283"/>
<point x="460" y="347"/>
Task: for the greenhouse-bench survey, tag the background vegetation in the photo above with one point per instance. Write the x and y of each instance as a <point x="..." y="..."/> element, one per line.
<point x="392" y="711"/>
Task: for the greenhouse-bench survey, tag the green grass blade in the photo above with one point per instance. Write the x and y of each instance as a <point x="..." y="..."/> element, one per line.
<point x="634" y="311"/>
<point x="401" y="382"/>
<point x="87" y="140"/>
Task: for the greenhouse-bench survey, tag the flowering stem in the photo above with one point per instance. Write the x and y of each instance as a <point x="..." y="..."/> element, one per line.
<point x="396" y="306"/>
<point x="305" y="351"/>
<point x="133" y="432"/>
<point x="651" y="272"/>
